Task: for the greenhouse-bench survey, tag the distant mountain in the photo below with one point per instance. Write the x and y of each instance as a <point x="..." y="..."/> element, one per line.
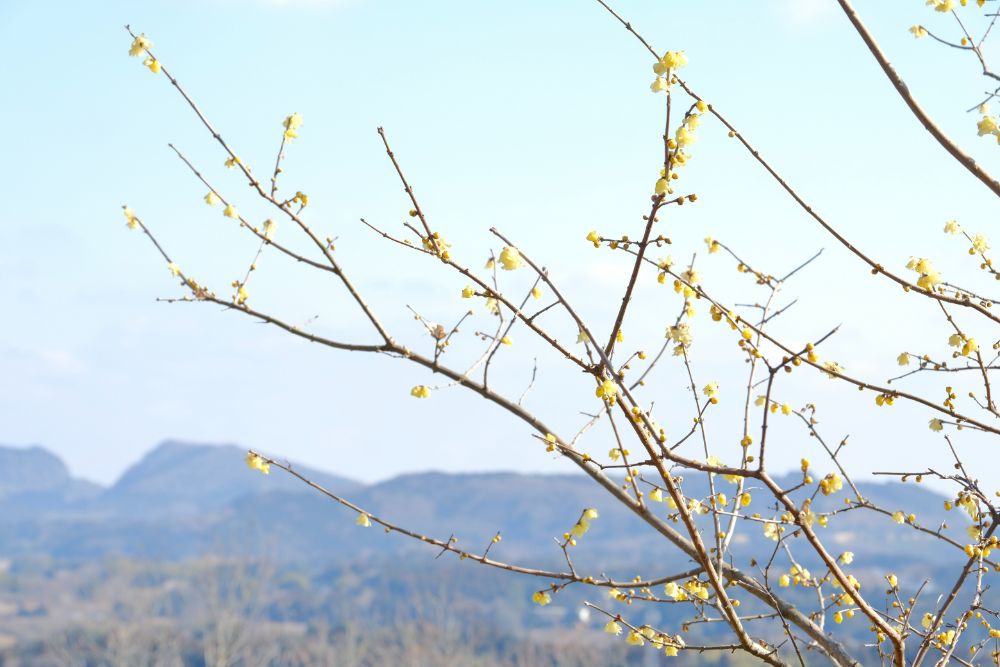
<point x="187" y="500"/>
<point x="186" y="479"/>
<point x="34" y="479"/>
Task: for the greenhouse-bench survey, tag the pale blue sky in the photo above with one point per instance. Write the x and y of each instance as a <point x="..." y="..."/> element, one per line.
<point x="534" y="117"/>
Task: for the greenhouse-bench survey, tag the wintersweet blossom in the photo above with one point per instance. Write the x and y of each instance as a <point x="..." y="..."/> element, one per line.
<point x="987" y="125"/>
<point x="980" y="243"/>
<point x="131" y="221"/>
<point x="420" y="391"/>
<point x="510" y="259"/>
<point x="952" y="227"/>
<point x="292" y="124"/>
<point x="541" y="598"/>
<point x="607" y="390"/>
<point x="270" y="226"/>
<point x="139" y="46"/>
<point x="363" y="521"/>
<point x="918" y="31"/>
<point x="613" y="628"/>
<point x="231" y="212"/>
<point x="256" y="462"/>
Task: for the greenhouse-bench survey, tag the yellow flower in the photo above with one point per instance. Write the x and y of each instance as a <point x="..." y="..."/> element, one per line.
<point x="211" y="198"/>
<point x="536" y="293"/>
<point x="980" y="244"/>
<point x="659" y="85"/>
<point x="420" y="391"/>
<point x="153" y="64"/>
<point x="712" y="391"/>
<point x="174" y="269"/>
<point x="786" y="409"/>
<point x="232" y="162"/>
<point x="918" y="31"/>
<point x="943" y="6"/>
<point x="292" y="124"/>
<point x="607" y="390"/>
<point x="656" y="495"/>
<point x="661" y="187"/>
<point x="256" y="462"/>
<point x="935" y="425"/>
<point x="363" y="521"/>
<point x="987" y="125"/>
<point x="506" y="340"/>
<point x="684" y="137"/>
<point x="139" y="46"/>
<point x="241" y="295"/>
<point x="898" y="517"/>
<point x="831" y="484"/>
<point x="594" y="238"/>
<point x="510" y="259"/>
<point x="831" y="368"/>
<point x="847" y="557"/>
<point x="952" y="227"/>
<point x="838" y="618"/>
<point x="970" y="346"/>
<point x="713" y="245"/>
<point x="231" y="212"/>
<point x="613" y="628"/>
<point x="270" y="226"/>
<point x="903" y="359"/>
<point x="892" y="580"/>
<point x="590" y="514"/>
<point x="468" y="292"/>
<point x="541" y="598"/>
<point x="131" y="221"/>
<point x="635" y="639"/>
<point x="674" y="59"/>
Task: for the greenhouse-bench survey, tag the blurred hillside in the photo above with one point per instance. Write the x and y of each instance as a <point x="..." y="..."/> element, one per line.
<point x="191" y="550"/>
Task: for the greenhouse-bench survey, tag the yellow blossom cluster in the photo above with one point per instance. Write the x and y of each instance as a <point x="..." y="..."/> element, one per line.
<point x="831" y="484"/>
<point x="292" y="124"/>
<point x="929" y="276"/>
<point x="510" y="259"/>
<point x="664" y="68"/>
<point x="141" y="46"/>
<point x="582" y="525"/>
<point x="436" y="244"/>
<point x="987" y="125"/>
<point x="131" y="220"/>
<point x="608" y="390"/>
<point x="256" y="462"/>
<point x="420" y="391"/>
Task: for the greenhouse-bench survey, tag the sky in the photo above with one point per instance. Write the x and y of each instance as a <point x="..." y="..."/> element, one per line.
<point x="535" y="118"/>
